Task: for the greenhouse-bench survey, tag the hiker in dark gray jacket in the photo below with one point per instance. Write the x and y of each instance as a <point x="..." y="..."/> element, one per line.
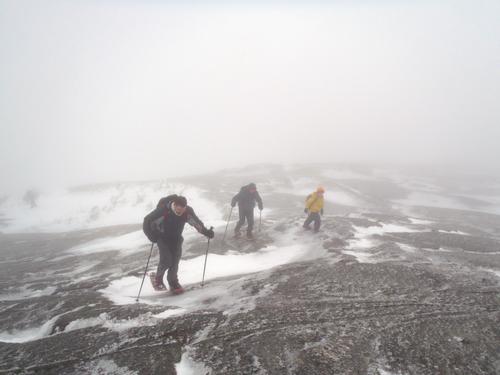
<point x="246" y="199"/>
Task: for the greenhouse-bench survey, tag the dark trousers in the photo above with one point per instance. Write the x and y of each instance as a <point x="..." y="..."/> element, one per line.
<point x="170" y="256"/>
<point x="245" y="214"/>
<point x="313" y="216"/>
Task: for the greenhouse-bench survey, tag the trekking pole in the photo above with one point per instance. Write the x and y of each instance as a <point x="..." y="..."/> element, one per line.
<point x="260" y="219"/>
<point x="145" y="271"/>
<point x="206" y="256"/>
<point x="229" y="218"/>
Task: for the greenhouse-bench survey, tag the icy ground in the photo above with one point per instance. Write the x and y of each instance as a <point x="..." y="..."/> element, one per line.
<point x="402" y="279"/>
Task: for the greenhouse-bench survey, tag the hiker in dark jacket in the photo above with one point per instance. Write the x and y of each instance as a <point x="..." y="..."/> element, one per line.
<point x="246" y="199"/>
<point x="164" y="226"/>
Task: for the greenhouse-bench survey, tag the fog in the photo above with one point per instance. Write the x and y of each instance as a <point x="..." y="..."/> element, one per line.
<point x="103" y="91"/>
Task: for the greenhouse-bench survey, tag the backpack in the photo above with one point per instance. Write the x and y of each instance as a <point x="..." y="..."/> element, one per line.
<point x="314" y="201"/>
<point x="157" y="224"/>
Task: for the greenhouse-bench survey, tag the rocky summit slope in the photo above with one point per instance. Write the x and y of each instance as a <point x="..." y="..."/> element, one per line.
<point x="403" y="278"/>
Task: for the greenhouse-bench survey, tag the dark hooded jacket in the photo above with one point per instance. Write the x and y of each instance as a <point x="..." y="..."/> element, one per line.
<point x="164" y="222"/>
<point x="246" y="199"/>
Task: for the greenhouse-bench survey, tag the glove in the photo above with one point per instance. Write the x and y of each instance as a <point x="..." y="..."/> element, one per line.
<point x="261" y="208"/>
<point x="306" y="210"/>
<point x="208" y="232"/>
<point x="233" y="204"/>
<point x="321" y="212"/>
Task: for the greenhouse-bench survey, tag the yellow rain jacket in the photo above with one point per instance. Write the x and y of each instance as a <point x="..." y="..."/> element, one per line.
<point x="314" y="203"/>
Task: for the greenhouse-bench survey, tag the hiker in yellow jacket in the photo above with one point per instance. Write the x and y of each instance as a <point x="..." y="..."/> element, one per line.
<point x="314" y="207"/>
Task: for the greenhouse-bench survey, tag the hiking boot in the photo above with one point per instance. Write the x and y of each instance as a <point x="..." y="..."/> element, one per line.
<point x="157" y="282"/>
<point x="306" y="227"/>
<point x="237" y="233"/>
<point x="176" y="289"/>
<point x="250" y="235"/>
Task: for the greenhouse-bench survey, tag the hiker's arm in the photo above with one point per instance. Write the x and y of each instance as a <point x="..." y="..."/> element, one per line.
<point x="195" y="222"/>
<point x="259" y="200"/>
<point x="235" y="200"/>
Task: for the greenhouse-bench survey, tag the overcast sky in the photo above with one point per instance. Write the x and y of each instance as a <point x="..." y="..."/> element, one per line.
<point x="95" y="91"/>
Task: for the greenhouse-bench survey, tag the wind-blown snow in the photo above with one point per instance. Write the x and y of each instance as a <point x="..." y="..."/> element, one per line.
<point x="65" y="210"/>
<point x="385" y="372"/>
<point x="124" y="290"/>
<point x="127" y="244"/>
<point x="189" y="367"/>
<point x="25" y="292"/>
<point x="103" y="320"/>
<point x="361" y="256"/>
<point x="108" y="367"/>
<point x="420" y="221"/>
<point x="363" y="240"/>
<point x="106" y="321"/>
<point x="432" y="200"/>
<point x="493" y="271"/>
<point x="342" y="197"/>
<point x="219" y="293"/>
<point x="28" y="334"/>
<point x="454" y="232"/>
<point x="406" y="248"/>
<point x="430" y="193"/>
<point x="412" y="183"/>
<point x="347" y="174"/>
<point x="337" y="195"/>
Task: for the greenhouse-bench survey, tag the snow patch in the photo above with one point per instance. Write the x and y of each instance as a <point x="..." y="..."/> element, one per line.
<point x="28" y="334"/>
<point x="406" y="248"/>
<point x="363" y="240"/>
<point x="361" y="243"/>
<point x="381" y="371"/>
<point x="454" y="232"/>
<point x="441" y="249"/>
<point x="108" y="367"/>
<point x="420" y="221"/>
<point x="493" y="271"/>
<point x="361" y="256"/>
<point x="362" y="237"/>
<point x="25" y="293"/>
<point x="187" y="366"/>
<point x="103" y="320"/>
<point x="117" y="325"/>
<point x="171" y="312"/>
